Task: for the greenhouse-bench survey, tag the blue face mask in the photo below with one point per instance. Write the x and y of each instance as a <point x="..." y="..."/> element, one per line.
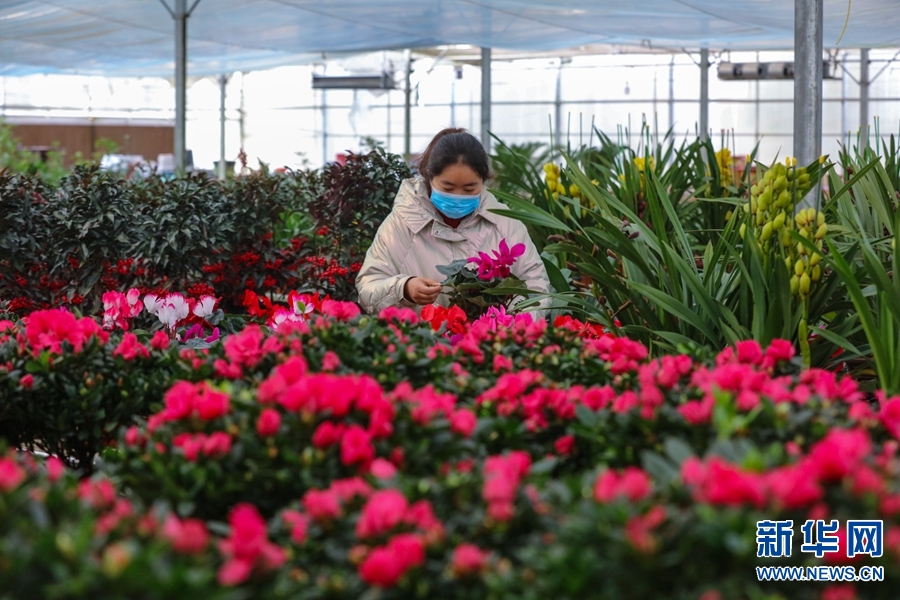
<point x="454" y="206"/>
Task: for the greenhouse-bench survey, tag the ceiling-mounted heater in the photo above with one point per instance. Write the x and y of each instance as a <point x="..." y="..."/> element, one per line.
<point x="775" y="70"/>
<point x="384" y="81"/>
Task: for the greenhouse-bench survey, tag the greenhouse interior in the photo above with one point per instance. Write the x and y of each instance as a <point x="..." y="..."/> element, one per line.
<point x="450" y="299"/>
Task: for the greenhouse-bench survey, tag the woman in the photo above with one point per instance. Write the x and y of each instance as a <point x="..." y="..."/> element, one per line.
<point x="438" y="217"/>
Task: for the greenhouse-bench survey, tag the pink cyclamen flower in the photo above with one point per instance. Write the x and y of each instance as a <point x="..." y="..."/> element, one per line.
<point x="506" y="257"/>
<point x="169" y="310"/>
<point x="205" y="306"/>
<point x="485" y="266"/>
<point x="119" y="307"/>
<point x="152" y="303"/>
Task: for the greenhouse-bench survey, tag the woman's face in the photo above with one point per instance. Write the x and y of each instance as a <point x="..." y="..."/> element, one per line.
<point x="458" y="179"/>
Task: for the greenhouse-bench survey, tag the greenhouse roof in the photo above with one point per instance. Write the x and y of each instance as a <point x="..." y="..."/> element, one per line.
<point x="136" y="37"/>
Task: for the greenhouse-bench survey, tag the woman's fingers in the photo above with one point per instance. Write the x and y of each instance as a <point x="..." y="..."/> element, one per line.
<point x="423" y="290"/>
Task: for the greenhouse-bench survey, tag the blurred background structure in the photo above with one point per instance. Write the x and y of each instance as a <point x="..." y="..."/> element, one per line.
<point x="258" y="74"/>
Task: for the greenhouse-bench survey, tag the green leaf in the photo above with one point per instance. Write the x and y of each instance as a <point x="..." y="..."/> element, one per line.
<point x="678" y="450"/>
<point x="545" y="465"/>
<point x="453" y="268"/>
<point x="661" y="469"/>
<point x="586" y="416"/>
<point x="557" y="279"/>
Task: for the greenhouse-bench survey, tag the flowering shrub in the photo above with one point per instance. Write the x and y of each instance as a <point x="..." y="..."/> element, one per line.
<point x="512" y="458"/>
<point x="94" y="232"/>
<point x="61" y="537"/>
<point x="68" y="385"/>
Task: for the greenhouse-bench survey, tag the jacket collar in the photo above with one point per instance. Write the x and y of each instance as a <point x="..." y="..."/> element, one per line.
<point x="414" y="207"/>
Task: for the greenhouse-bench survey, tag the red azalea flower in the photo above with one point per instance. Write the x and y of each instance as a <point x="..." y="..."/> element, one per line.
<point x="322" y="504"/>
<point x="188" y="536"/>
<point x="130" y="348"/>
<point x="632" y="484"/>
<point x="463" y="422"/>
<point x="11" y="474"/>
<point x="468" y="559"/>
<point x="268" y="423"/>
<point x="383" y="511"/>
<point x="356" y="447"/>
<point x="247" y="547"/>
<point x="299" y="524"/>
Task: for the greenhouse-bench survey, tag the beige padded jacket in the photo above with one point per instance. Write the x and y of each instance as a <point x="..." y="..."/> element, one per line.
<point x="414" y="240"/>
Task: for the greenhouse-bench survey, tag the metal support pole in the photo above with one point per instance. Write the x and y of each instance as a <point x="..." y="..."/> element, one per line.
<point x="704" y="94"/>
<point x="864" y="95"/>
<point x="223" y="83"/>
<point x="388" y="145"/>
<point x="407" y="116"/>
<point x="844" y="86"/>
<point x="486" y="98"/>
<point x="180" y="16"/>
<point x="756" y="132"/>
<point x="557" y="108"/>
<point x="242" y="116"/>
<point x="672" y="94"/>
<point x="324" y="127"/>
<point x="807" y="80"/>
<point x="453" y="101"/>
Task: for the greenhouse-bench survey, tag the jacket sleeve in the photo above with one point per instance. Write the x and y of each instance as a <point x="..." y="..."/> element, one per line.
<point x="380" y="283"/>
<point x="529" y="267"/>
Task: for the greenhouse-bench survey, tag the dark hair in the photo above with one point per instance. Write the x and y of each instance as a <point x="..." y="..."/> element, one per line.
<point x="450" y="147"/>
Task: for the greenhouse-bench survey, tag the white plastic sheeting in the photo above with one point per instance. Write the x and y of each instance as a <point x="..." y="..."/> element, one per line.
<point x="136" y="37"/>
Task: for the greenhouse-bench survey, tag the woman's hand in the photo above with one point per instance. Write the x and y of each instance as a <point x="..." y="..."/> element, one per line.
<point x="421" y="290"/>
